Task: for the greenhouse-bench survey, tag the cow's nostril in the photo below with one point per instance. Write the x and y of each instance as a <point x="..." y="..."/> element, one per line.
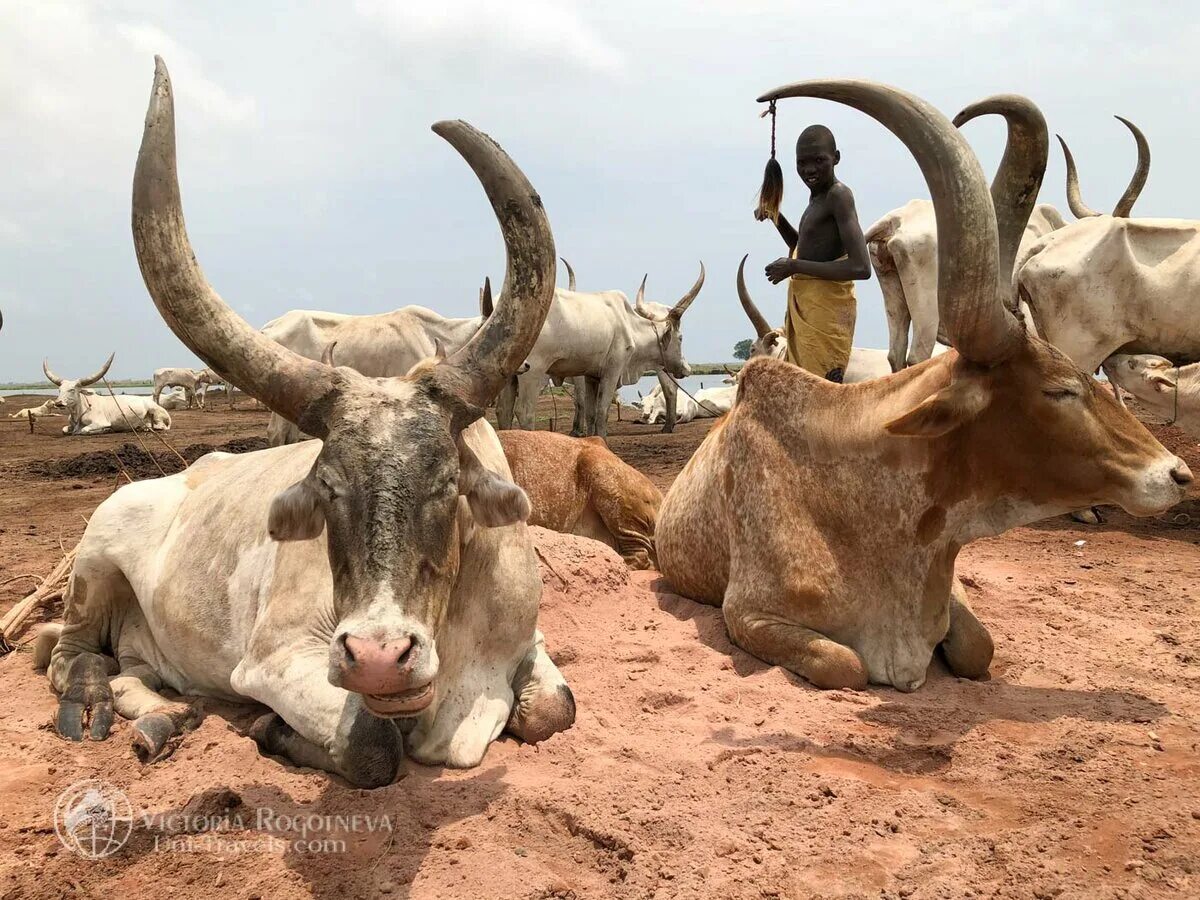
<point x="1182" y="475"/>
<point x="349" y="654"/>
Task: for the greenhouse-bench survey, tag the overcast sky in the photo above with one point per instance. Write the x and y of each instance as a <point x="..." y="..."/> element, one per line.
<point x="311" y="179"/>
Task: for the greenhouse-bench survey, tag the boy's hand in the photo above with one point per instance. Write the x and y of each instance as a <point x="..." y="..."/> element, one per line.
<point x="780" y="270"/>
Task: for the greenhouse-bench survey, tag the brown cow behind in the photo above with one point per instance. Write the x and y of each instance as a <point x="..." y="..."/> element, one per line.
<point x="579" y="486"/>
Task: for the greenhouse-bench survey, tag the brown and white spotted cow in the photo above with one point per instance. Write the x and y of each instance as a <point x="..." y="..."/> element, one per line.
<point x="825" y="519"/>
<point x="382" y="573"/>
<point x="579" y="486"/>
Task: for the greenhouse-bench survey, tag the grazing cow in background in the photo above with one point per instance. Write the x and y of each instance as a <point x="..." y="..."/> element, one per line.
<point x="1109" y="283"/>
<point x="99" y="414"/>
<point x="903" y="249"/>
<point x="601" y="337"/>
<point x="381" y="573"/>
<point x="865" y="363"/>
<point x="825" y="519"/>
<point x="579" y="486"/>
<point x="1169" y="391"/>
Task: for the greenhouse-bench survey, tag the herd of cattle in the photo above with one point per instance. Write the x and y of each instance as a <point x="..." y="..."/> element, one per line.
<point x="377" y="589"/>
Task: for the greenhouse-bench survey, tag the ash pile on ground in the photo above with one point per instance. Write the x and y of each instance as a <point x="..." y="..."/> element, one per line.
<point x="133" y="459"/>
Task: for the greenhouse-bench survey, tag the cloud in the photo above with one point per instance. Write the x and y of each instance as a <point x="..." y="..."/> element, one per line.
<point x="12" y="233"/>
<point x="69" y="70"/>
<point x="208" y="98"/>
<point x="505" y="31"/>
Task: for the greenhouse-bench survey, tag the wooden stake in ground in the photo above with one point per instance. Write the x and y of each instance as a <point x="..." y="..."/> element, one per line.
<point x="51" y="588"/>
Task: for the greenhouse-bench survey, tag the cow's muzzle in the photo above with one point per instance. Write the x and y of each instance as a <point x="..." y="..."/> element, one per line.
<point x="385" y="673"/>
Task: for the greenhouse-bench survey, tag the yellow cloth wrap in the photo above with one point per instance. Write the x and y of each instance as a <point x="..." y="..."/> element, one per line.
<point x="819" y="325"/>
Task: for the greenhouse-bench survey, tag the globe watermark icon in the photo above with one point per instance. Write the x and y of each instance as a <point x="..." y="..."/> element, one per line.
<point x="93" y="818"/>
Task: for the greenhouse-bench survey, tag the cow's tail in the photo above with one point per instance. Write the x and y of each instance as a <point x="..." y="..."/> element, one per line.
<point x="44" y="644"/>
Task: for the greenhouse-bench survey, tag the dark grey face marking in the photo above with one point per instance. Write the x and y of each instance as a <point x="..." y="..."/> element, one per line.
<point x="387" y="483"/>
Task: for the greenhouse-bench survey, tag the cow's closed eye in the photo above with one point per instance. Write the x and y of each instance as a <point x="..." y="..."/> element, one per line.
<point x="1061" y="393"/>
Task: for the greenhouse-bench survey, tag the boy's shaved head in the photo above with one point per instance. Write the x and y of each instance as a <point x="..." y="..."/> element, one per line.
<point x="819" y="135"/>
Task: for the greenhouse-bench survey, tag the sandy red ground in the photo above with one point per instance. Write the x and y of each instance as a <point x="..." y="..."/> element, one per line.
<point x="693" y="769"/>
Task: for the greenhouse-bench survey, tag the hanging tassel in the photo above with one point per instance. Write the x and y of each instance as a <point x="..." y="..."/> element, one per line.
<point x="770" y="197"/>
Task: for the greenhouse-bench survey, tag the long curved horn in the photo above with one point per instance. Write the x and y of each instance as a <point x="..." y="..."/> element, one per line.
<point x="1019" y="175"/>
<point x="478" y="371"/>
<point x="1125" y="205"/>
<point x="287" y="383"/>
<point x="570" y="275"/>
<point x="486" y="305"/>
<point x="686" y="300"/>
<point x="100" y="373"/>
<point x="49" y="373"/>
<point x="969" y="303"/>
<point x="639" y="303"/>
<point x="1079" y="209"/>
<point x="757" y="319"/>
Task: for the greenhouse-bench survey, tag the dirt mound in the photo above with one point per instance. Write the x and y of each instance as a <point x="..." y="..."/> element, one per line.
<point x="133" y="459"/>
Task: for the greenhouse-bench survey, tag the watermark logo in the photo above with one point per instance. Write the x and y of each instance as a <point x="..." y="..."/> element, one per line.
<point x="93" y="819"/>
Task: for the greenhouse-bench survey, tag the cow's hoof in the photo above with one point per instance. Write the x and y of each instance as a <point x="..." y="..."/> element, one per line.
<point x="154" y="737"/>
<point x="87" y="700"/>
<point x="1087" y="516"/>
<point x="266" y="732"/>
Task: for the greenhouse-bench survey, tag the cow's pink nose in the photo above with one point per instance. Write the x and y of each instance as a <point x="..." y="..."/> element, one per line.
<point x="377" y="667"/>
<point x="1181" y="474"/>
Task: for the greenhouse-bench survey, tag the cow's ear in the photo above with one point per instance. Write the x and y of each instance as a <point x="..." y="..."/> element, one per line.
<point x="494" y="501"/>
<point x="296" y="514"/>
<point x="1161" y="383"/>
<point x="940" y="414"/>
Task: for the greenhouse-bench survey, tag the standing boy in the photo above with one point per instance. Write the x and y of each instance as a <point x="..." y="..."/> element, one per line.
<point x="827" y="254"/>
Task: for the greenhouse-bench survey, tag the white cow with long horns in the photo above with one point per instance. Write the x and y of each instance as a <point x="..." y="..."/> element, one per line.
<point x="601" y="337"/>
<point x="377" y="589"/>
<point x="1111" y="283"/>
<point x="92" y="413"/>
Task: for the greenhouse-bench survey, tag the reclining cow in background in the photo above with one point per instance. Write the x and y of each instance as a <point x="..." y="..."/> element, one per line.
<point x="777" y="517"/>
<point x="1109" y="284"/>
<point x="601" y="337"/>
<point x="93" y="413"/>
<point x="49" y="408"/>
<point x="865" y="362"/>
<point x="579" y="486"/>
<point x="708" y="403"/>
<point x="903" y="249"/>
<point x="344" y="583"/>
<point x="1170" y="392"/>
<point x="173" y="399"/>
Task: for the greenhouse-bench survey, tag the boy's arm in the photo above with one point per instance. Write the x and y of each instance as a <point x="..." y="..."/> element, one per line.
<point x="857" y="264"/>
<point x="786" y="231"/>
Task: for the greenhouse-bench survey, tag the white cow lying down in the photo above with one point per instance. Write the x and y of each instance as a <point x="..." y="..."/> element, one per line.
<point x="49" y="408"/>
<point x="707" y="404"/>
<point x="97" y="414"/>
<point x="376" y="589"/>
<point x="175" y="399"/>
<point x="1167" y="390"/>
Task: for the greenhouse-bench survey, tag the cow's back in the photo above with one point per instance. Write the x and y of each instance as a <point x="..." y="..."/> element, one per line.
<point x="1103" y="285"/>
<point x="545" y="465"/>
